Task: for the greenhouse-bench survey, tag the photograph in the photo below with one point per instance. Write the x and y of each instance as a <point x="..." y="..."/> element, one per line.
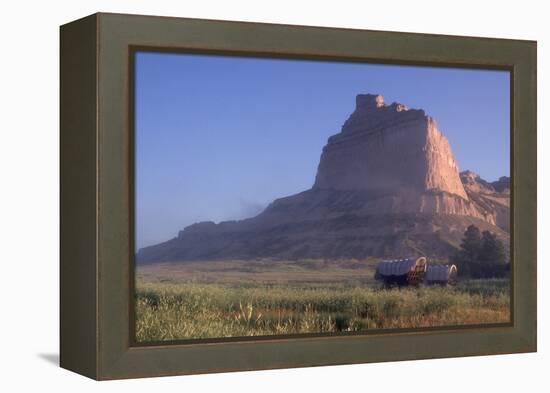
<point x="260" y="197"/>
<point x="279" y="197"/>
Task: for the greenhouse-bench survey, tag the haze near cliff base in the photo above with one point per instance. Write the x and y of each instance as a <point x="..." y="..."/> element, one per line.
<point x="255" y="217"/>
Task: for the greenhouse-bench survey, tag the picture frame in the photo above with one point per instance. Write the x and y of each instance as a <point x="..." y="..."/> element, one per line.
<point x="97" y="203"/>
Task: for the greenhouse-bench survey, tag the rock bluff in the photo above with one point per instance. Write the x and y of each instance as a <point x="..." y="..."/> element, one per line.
<point x="389" y="148"/>
<point x="387" y="185"/>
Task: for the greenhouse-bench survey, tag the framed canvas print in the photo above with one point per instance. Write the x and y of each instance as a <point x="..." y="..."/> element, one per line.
<point x="241" y="196"/>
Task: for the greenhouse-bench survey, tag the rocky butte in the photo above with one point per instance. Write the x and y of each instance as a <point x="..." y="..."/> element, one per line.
<point x="387" y="185"/>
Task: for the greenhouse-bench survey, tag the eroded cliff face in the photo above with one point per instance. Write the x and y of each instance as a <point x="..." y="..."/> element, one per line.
<point x="387" y="185"/>
<point x="388" y="148"/>
<point x="399" y="155"/>
<point x="491" y="198"/>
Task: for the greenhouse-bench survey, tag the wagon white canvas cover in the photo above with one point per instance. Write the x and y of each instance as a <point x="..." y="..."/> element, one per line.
<point x="399" y="267"/>
<point x="440" y="272"/>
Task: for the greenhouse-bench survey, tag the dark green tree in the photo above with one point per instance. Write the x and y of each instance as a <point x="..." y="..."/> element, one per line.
<point x="471" y="243"/>
<point x="492" y="249"/>
<point x="466" y="257"/>
<point x="481" y="255"/>
<point x="492" y="256"/>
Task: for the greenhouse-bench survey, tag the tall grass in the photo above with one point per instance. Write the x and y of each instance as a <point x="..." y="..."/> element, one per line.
<point x="170" y="311"/>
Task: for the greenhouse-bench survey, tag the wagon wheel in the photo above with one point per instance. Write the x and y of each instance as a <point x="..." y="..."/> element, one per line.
<point x="416" y="276"/>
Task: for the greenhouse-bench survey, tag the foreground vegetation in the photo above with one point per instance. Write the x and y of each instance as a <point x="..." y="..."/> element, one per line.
<point x="171" y="310"/>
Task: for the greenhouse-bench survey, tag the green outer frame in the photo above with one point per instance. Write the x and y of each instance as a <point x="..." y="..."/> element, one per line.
<point x="96" y="202"/>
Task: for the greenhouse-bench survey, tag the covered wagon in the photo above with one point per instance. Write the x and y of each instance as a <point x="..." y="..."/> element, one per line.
<point x="409" y="271"/>
<point x="441" y="274"/>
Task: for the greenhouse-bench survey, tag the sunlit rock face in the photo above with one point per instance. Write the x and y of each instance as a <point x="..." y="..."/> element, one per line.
<point x="387" y="185"/>
<point x="388" y="148"/>
<point x="399" y="157"/>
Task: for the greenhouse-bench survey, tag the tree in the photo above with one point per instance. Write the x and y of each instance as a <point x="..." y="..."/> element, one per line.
<point x="469" y="251"/>
<point x="492" y="256"/>
<point x="481" y="255"/>
<point x="492" y="249"/>
<point x="471" y="244"/>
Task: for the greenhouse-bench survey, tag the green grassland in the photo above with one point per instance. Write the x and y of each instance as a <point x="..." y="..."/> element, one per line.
<point x="257" y="298"/>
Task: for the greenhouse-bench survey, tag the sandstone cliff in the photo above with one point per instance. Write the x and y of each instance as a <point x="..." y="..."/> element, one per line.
<point x="398" y="154"/>
<point x="491" y="198"/>
<point x="387" y="185"/>
<point x="388" y="147"/>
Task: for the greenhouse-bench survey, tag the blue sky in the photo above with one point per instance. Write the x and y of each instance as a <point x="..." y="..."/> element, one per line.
<point x="219" y="137"/>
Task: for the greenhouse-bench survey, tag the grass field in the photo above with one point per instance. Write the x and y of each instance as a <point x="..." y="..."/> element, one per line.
<point x="244" y="298"/>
